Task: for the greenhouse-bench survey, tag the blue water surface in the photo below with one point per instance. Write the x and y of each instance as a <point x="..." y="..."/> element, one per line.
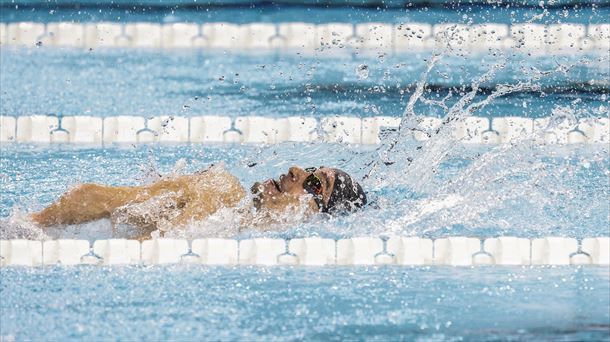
<point x="517" y="189"/>
<point x="190" y="303"/>
<point x="110" y="82"/>
<point x="310" y="11"/>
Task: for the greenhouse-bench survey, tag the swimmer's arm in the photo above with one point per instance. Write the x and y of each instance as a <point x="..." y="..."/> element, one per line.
<point x="87" y="202"/>
<point x="192" y="210"/>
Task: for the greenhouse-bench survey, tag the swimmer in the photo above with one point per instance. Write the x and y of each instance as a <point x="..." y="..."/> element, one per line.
<point x="174" y="202"/>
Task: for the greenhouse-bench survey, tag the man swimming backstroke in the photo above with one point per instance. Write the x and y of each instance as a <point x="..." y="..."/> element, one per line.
<point x="175" y="202"/>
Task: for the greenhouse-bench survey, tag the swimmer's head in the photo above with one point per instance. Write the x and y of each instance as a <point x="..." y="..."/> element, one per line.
<point x="332" y="191"/>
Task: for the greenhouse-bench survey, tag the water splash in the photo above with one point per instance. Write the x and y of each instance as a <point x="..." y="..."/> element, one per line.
<point x="492" y="191"/>
<point x="19" y="226"/>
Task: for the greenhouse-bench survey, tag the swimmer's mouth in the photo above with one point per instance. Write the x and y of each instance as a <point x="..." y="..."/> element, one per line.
<point x="277" y="185"/>
<point x="258" y="188"/>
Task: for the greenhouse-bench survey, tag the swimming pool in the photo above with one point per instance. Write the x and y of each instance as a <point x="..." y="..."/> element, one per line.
<point x="444" y="180"/>
<point x="322" y="302"/>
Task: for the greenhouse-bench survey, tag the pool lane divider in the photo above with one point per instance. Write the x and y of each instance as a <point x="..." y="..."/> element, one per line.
<point x="93" y="130"/>
<point x="332" y="38"/>
<point x="312" y="251"/>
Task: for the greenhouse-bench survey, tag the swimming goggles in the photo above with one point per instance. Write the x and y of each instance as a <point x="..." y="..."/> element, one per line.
<point x="313" y="185"/>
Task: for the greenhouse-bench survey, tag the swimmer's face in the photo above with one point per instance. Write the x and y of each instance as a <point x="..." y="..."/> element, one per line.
<point x="288" y="189"/>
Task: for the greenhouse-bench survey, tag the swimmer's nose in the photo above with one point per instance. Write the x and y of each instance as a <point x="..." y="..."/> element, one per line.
<point x="297" y="171"/>
<point x="295" y="174"/>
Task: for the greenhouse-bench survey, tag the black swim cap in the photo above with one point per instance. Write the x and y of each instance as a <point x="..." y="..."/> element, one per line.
<point x="347" y="195"/>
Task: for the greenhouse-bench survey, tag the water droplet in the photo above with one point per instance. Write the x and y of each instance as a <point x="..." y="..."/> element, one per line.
<point x="362" y="71"/>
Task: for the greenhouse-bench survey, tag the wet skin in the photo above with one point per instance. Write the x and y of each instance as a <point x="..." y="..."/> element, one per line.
<point x="288" y="189"/>
<point x="174" y="202"/>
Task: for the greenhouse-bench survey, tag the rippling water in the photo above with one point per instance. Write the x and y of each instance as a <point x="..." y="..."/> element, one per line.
<point x="189" y="82"/>
<point x="436" y="188"/>
<point x="283" y="303"/>
<point x="355" y="11"/>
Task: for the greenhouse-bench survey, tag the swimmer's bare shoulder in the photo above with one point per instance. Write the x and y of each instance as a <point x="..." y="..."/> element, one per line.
<point x="207" y="192"/>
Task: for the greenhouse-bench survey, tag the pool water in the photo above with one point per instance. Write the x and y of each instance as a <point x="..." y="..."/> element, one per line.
<point x="313" y="304"/>
<point x="110" y="82"/>
<point x="238" y="11"/>
<point x="433" y="189"/>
